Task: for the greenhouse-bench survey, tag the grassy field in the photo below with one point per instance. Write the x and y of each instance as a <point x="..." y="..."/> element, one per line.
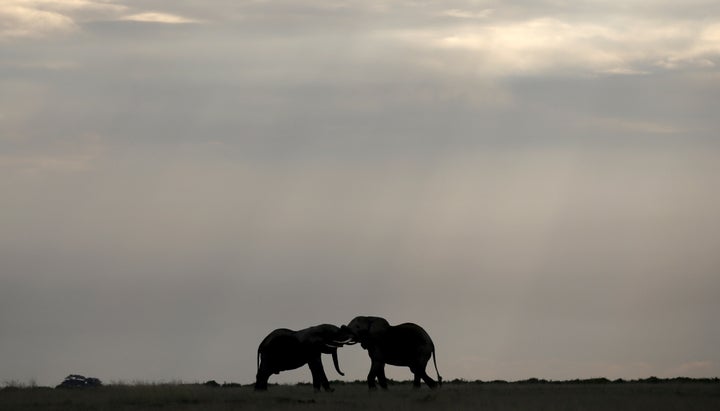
<point x="356" y="396"/>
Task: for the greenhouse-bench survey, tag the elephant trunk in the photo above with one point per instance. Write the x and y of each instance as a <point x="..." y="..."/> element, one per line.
<point x="335" y="362"/>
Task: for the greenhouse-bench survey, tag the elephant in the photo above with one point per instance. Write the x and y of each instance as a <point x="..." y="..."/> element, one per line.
<point x="404" y="345"/>
<point x="285" y="349"/>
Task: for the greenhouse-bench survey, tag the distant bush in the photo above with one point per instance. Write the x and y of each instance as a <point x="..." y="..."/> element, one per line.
<point x="78" y="381"/>
<point x="600" y="380"/>
<point x="533" y="381"/>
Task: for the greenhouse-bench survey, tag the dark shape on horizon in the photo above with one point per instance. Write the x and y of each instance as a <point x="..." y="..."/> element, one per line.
<point x="285" y="349"/>
<point x="404" y="345"/>
<point x="79" y="381"/>
<point x="211" y="383"/>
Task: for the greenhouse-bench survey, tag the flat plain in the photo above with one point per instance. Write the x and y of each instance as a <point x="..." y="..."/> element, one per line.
<point x="660" y="396"/>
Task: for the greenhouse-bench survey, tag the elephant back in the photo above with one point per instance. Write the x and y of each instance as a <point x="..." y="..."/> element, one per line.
<point x="408" y="337"/>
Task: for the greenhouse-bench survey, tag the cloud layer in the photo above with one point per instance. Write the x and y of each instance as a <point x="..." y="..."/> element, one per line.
<point x="45" y="18"/>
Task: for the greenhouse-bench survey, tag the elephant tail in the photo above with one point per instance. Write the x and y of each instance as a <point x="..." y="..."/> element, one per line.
<point x="436" y="369"/>
<point x="258" y="359"/>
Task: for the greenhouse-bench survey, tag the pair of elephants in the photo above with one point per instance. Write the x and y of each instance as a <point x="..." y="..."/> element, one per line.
<point x="405" y="345"/>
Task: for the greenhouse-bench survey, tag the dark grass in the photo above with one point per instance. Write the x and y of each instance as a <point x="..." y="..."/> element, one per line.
<point x="456" y="395"/>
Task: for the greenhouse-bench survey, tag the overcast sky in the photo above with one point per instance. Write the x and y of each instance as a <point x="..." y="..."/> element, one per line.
<point x="534" y="182"/>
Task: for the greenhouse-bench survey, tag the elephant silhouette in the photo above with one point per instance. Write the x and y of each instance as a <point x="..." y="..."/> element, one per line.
<point x="404" y="345"/>
<point x="285" y="349"/>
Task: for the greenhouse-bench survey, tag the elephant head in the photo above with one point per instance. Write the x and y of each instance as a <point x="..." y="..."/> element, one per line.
<point x="326" y="338"/>
<point x="365" y="329"/>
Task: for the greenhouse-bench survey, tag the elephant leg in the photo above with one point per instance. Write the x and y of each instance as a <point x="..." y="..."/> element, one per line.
<point x="261" y="379"/>
<point x="371" y="378"/>
<point x="429" y="381"/>
<point x="421" y="374"/>
<point x="416" y="380"/>
<point x="378" y="368"/>
<point x="318" y="375"/>
<point x="325" y="382"/>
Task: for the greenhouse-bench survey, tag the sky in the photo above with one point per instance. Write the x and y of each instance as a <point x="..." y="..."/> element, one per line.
<point x="533" y="182"/>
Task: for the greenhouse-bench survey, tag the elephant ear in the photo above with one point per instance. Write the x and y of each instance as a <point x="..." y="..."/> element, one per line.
<point x="319" y="336"/>
<point x="377" y="325"/>
<point x="315" y="339"/>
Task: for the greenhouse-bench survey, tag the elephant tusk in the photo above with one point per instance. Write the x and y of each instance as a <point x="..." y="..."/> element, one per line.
<point x="347" y="341"/>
